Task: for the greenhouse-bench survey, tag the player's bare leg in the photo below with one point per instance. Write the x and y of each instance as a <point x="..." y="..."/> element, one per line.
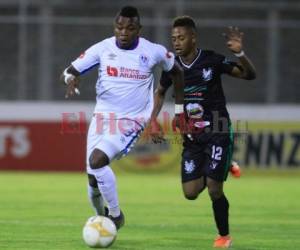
<point x="95" y="195"/>
<point x="220" y="208"/>
<point x="192" y="189"/>
<point x="106" y="183"/>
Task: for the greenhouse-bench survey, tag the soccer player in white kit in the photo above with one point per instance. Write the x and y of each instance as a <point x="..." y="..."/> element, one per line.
<point x="124" y="101"/>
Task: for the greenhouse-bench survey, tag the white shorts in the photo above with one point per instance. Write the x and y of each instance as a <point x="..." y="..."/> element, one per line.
<point x="113" y="137"/>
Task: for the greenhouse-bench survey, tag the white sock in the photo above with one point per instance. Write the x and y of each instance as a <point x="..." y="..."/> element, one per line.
<point x="96" y="200"/>
<point x="107" y="185"/>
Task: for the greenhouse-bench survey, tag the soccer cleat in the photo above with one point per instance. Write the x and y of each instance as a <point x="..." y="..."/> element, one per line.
<point x="223" y="241"/>
<point x="235" y="169"/>
<point x="119" y="221"/>
<point x="106" y="211"/>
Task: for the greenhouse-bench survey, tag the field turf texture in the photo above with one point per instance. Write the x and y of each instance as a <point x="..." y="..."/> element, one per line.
<point x="41" y="211"/>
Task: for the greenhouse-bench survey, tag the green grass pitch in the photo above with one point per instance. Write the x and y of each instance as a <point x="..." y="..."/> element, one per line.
<point x="41" y="211"/>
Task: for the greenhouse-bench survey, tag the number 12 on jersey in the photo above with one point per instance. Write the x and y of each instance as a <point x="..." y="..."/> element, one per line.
<point x="216" y="152"/>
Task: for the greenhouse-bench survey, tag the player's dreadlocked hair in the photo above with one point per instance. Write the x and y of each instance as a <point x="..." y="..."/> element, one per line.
<point x="184" y="21"/>
<point x="129" y="11"/>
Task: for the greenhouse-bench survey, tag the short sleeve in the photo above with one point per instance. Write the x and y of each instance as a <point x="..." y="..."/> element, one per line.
<point x="88" y="59"/>
<point x="164" y="58"/>
<point x="165" y="80"/>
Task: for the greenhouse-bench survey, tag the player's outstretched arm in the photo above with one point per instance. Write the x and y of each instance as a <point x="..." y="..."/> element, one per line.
<point x="70" y="77"/>
<point x="245" y="69"/>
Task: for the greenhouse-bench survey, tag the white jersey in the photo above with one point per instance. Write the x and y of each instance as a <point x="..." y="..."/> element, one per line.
<point x="125" y="77"/>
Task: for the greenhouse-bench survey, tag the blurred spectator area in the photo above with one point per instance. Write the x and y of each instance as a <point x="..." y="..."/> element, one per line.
<point x="39" y="38"/>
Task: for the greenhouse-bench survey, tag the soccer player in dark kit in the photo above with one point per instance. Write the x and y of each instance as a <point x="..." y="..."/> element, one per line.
<point x="208" y="143"/>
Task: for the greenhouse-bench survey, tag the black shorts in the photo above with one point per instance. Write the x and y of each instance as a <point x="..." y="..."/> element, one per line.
<point x="211" y="159"/>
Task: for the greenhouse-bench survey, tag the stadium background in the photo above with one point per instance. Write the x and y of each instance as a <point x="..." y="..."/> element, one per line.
<point x="42" y="37"/>
<point x="40" y="131"/>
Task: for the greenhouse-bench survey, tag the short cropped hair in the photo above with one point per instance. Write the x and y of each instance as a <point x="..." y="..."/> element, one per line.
<point x="184" y="21"/>
<point x="129" y="11"/>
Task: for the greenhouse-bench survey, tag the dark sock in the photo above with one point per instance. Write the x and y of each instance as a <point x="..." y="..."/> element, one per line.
<point x="221" y="207"/>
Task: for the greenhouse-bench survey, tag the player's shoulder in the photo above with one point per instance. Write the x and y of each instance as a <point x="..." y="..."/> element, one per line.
<point x="105" y="42"/>
<point x="212" y="55"/>
<point x="148" y="44"/>
<point x="207" y="55"/>
<point x="99" y="47"/>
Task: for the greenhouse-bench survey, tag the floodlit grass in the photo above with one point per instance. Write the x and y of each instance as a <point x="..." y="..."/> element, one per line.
<point x="40" y="211"/>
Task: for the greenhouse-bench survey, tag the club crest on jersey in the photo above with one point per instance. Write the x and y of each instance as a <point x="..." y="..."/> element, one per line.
<point x="207" y="74"/>
<point x="144" y="60"/>
<point x="189" y="167"/>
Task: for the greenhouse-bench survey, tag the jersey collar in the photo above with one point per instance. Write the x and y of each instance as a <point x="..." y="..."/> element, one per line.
<point x="191" y="64"/>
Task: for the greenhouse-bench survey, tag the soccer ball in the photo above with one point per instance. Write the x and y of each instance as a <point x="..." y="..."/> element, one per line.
<point x="99" y="232"/>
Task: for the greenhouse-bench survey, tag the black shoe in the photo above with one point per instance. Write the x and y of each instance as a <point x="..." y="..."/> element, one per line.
<point x="106" y="211"/>
<point x="119" y="221"/>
